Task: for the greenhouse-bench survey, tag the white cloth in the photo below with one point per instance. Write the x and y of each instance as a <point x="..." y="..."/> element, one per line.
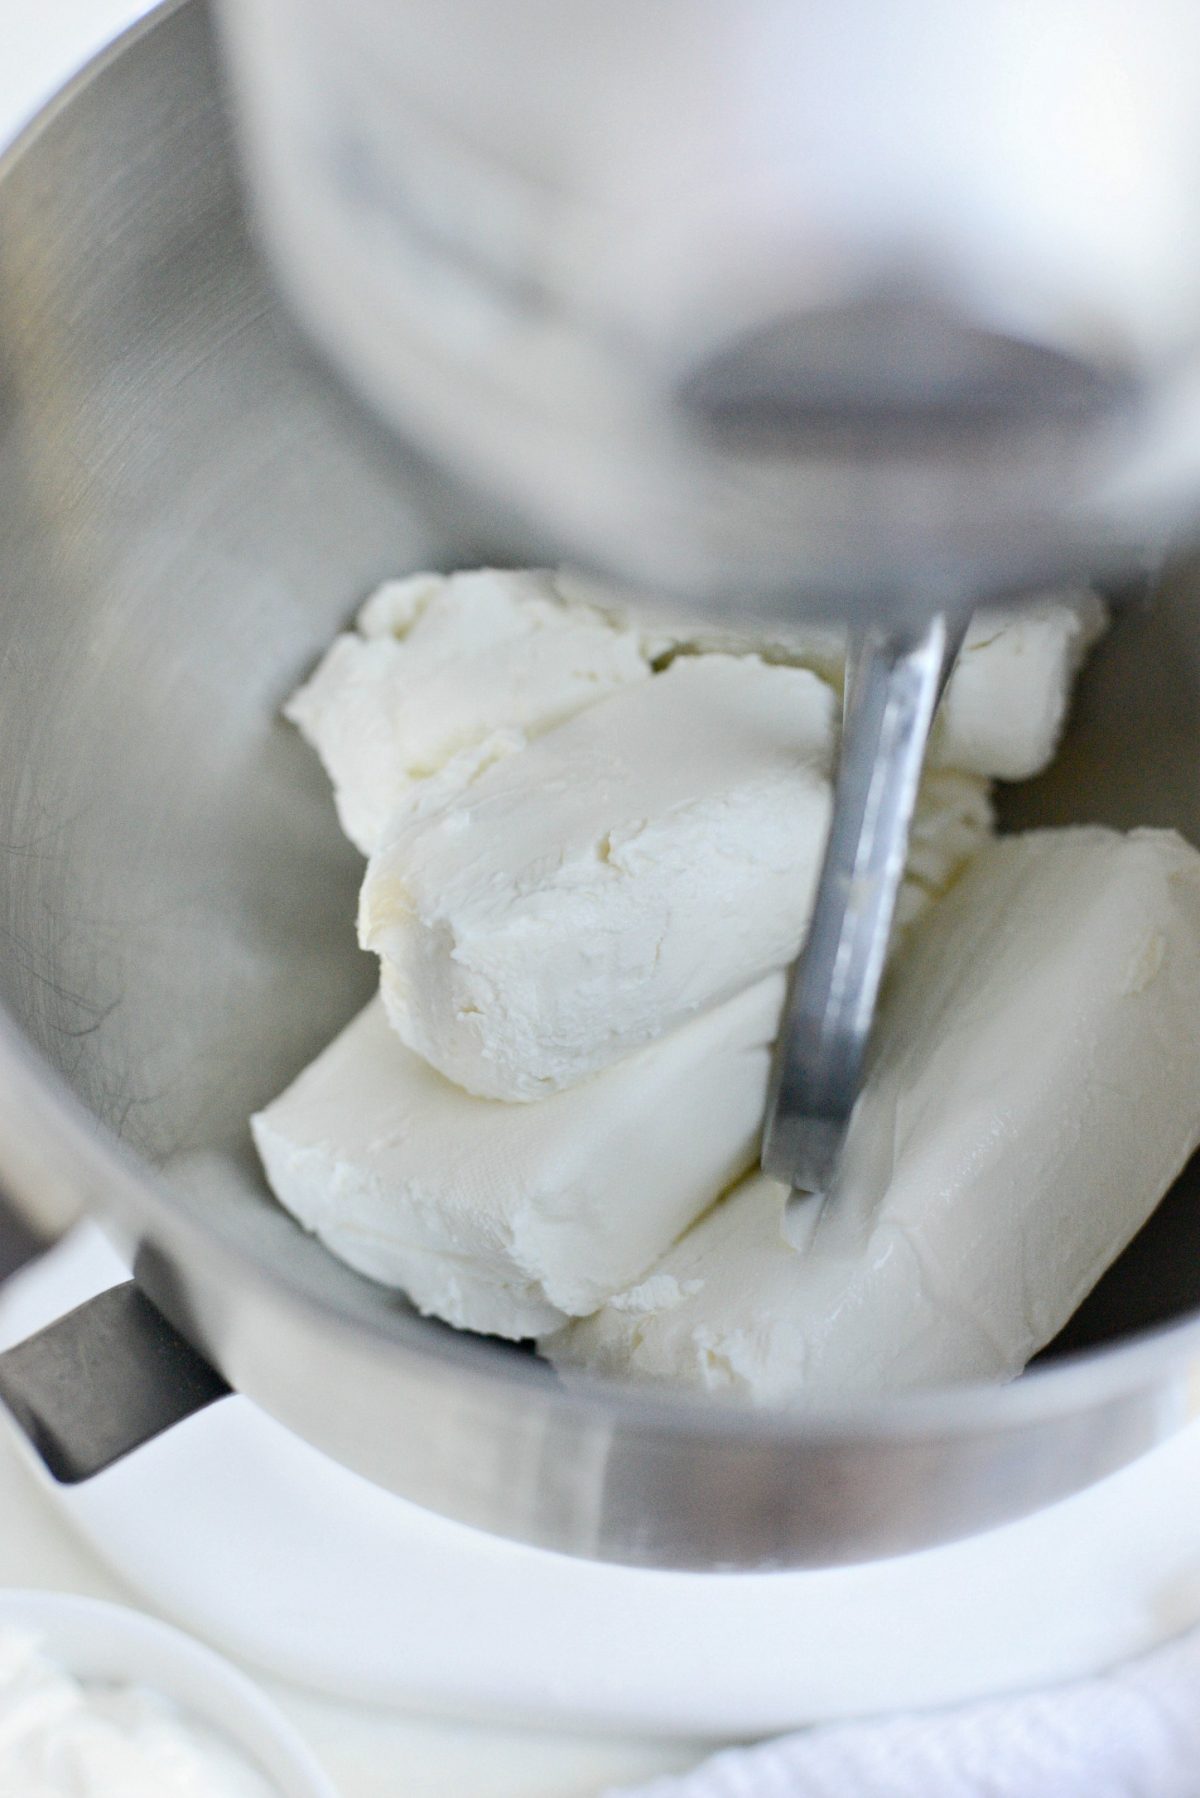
<point x="1134" y="1733"/>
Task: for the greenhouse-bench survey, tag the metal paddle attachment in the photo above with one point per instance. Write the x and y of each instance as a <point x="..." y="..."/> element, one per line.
<point x="893" y="684"/>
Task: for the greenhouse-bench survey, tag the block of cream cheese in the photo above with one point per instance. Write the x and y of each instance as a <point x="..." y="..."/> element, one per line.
<point x="565" y="905"/>
<point x="510" y="1218"/>
<point x="1005" y="703"/>
<point x="436" y="665"/>
<point x="1035" y="1092"/>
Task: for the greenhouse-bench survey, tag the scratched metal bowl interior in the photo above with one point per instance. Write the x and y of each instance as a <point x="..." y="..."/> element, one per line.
<point x="189" y="510"/>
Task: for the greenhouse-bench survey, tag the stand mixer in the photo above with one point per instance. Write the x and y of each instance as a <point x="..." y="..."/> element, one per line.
<point x="190" y="510"/>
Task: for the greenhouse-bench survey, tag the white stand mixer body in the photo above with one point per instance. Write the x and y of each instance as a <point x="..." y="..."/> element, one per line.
<point x="310" y="1572"/>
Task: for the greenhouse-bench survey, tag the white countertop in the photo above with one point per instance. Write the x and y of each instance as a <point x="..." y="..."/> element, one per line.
<point x="369" y="1754"/>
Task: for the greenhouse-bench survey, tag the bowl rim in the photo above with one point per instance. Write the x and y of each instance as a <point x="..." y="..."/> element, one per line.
<point x="248" y="1720"/>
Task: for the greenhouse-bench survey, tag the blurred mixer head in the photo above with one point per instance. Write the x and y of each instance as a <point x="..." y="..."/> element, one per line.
<point x="844" y="307"/>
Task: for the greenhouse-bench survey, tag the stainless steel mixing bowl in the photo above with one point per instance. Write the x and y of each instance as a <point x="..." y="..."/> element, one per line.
<point x="188" y="511"/>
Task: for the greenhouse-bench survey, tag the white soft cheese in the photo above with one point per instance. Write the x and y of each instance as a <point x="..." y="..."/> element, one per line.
<point x="60" y="1738"/>
<point x="540" y="914"/>
<point x="438" y="663"/>
<point x="509" y="1218"/>
<point x="567" y="904"/>
<point x="1036" y="1091"/>
<point x="1005" y="704"/>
